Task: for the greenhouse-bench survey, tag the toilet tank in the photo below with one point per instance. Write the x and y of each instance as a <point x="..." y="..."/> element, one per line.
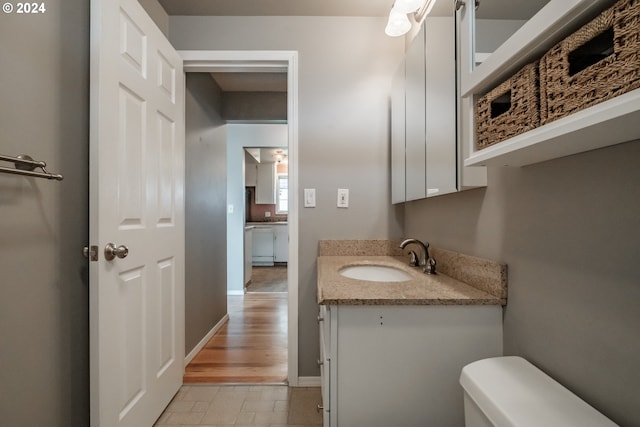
<point x="510" y="391"/>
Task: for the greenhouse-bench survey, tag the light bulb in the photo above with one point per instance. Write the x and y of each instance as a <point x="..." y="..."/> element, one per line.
<point x="398" y="24"/>
<point x="407" y="6"/>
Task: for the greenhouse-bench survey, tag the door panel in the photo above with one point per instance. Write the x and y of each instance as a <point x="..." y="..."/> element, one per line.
<point x="137" y="200"/>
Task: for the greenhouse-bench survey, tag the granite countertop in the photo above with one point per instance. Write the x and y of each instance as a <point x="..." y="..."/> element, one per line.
<point x="422" y="289"/>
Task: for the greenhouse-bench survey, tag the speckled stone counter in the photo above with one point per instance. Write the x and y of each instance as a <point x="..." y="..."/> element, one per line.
<point x="462" y="280"/>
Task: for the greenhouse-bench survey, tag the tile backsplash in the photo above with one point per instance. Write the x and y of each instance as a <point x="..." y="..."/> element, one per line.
<point x="257" y="213"/>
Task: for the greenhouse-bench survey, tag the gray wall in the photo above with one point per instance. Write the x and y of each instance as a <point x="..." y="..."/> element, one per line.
<point x="569" y="230"/>
<point x="345" y="69"/>
<point x="255" y="106"/>
<point x="205" y="209"/>
<point x="44" y="330"/>
<point x="157" y="13"/>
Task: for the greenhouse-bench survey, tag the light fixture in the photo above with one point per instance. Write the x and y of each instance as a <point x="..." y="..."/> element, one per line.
<point x="279" y="156"/>
<point x="407" y="6"/>
<point x="399" y="23"/>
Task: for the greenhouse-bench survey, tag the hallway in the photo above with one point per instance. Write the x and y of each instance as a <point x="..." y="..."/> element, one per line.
<point x="250" y="348"/>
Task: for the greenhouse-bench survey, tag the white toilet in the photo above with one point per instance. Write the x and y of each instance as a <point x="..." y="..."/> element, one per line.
<point x="510" y="391"/>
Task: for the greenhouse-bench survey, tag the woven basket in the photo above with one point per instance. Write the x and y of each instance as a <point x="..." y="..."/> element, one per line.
<point x="510" y="109"/>
<point x="568" y="83"/>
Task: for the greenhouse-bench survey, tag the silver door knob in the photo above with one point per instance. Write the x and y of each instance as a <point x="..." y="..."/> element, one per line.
<point x="111" y="252"/>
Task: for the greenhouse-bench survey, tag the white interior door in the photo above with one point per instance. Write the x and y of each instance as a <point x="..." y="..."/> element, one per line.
<point x="136" y="200"/>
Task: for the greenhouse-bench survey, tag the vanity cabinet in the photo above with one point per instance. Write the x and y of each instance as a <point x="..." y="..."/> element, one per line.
<point x="497" y="39"/>
<point x="399" y="365"/>
<point x="425" y="159"/>
<point x="324" y="362"/>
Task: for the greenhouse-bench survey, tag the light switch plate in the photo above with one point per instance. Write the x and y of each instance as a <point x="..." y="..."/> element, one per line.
<point x="343" y="198"/>
<point x="309" y="197"/>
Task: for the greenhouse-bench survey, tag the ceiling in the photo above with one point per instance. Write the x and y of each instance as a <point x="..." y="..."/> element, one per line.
<point x="277" y="82"/>
<point x="278" y="7"/>
<point x="369" y="8"/>
<point x="497" y="9"/>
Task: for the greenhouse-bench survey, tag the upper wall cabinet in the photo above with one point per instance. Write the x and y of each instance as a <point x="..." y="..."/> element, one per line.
<point x="266" y="184"/>
<point x="498" y="38"/>
<point x="425" y="157"/>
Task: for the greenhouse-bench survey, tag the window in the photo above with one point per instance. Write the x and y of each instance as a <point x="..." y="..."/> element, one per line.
<point x="282" y="193"/>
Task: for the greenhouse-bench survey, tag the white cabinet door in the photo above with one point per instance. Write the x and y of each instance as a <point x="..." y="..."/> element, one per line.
<point x="266" y="184"/>
<point x="416" y="182"/>
<point x="281" y="243"/>
<point x="325" y="363"/>
<point x="376" y="351"/>
<point x="250" y="175"/>
<point x="248" y="254"/>
<point x="440" y="130"/>
<point x="398" y="136"/>
<point x="262" y="246"/>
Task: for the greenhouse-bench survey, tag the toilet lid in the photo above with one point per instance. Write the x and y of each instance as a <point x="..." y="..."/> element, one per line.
<point x="510" y="391"/>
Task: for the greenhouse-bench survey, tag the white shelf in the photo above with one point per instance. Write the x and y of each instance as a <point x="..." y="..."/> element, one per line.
<point x="609" y="123"/>
<point x="552" y="23"/>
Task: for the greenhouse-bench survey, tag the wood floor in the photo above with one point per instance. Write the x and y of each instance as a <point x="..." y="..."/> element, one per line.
<point x="250" y="348"/>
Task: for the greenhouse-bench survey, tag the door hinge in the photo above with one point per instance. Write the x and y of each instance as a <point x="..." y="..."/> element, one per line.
<point x="90" y="252"/>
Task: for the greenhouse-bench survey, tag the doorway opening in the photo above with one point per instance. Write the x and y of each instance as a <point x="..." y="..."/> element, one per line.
<point x="266" y="207"/>
<point x="283" y="304"/>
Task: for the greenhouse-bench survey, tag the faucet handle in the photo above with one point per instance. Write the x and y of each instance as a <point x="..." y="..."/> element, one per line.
<point x="430" y="268"/>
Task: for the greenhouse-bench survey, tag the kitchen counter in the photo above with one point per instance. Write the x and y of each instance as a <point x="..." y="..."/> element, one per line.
<point x="266" y="223"/>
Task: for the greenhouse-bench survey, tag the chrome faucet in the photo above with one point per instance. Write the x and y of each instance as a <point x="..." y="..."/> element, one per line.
<point x="421" y="259"/>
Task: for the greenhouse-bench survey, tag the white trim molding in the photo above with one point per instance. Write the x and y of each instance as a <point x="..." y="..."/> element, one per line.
<point x="189" y="357"/>
<point x="309" y="382"/>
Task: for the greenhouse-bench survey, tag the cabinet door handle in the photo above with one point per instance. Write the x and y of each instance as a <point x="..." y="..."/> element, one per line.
<point x="462" y="3"/>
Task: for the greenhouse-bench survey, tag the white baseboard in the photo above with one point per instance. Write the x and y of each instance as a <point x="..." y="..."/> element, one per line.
<point x="206" y="339"/>
<point x="309" y="381"/>
<point x="235" y="292"/>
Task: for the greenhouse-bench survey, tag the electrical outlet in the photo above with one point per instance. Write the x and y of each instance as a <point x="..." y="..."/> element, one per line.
<point x="343" y="198"/>
<point x="267" y="214"/>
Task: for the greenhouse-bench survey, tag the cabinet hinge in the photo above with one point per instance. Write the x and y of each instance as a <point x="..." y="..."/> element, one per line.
<point x="463" y="3"/>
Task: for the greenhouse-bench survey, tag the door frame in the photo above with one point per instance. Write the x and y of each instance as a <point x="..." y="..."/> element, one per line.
<point x="204" y="61"/>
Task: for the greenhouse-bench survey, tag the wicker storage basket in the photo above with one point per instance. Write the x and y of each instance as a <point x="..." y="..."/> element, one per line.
<point x="510" y="109"/>
<point x="596" y="63"/>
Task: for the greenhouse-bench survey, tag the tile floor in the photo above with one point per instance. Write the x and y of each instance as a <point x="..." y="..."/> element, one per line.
<point x="243" y="405"/>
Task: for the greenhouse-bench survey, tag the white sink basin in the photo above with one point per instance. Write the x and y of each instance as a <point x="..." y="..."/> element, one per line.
<point x="375" y="273"/>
